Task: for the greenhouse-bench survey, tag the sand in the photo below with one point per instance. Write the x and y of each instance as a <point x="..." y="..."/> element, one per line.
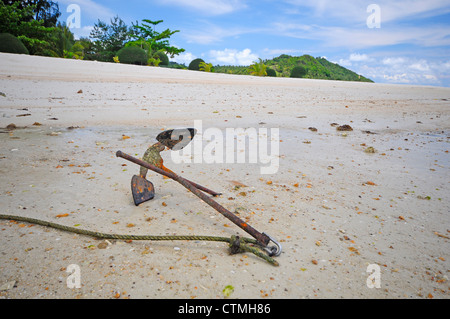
<point x="339" y="212"/>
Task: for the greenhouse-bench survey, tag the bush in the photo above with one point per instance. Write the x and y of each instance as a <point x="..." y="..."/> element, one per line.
<point x="162" y="57"/>
<point x="271" y="72"/>
<point x="132" y="55"/>
<point x="195" y="64"/>
<point x="298" y="72"/>
<point x="10" y="44"/>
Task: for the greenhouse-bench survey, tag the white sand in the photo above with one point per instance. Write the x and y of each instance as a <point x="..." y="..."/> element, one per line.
<point x="331" y="223"/>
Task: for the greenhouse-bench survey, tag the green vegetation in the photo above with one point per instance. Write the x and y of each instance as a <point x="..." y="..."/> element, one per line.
<point x="132" y="55"/>
<point x="232" y="69"/>
<point x="17" y="18"/>
<point x="258" y="68"/>
<point x="35" y="24"/>
<point x="162" y="57"/>
<point x="108" y="39"/>
<point x="206" y="67"/>
<point x="305" y="66"/>
<point x="271" y="72"/>
<point x="314" y="68"/>
<point x="298" y="72"/>
<point x="195" y="64"/>
<point x="151" y="40"/>
<point x="10" y="44"/>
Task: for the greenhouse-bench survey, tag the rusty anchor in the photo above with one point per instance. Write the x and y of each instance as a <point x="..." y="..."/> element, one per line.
<point x="143" y="190"/>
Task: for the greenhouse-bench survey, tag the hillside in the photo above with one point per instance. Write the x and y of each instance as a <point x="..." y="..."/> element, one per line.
<point x="316" y="68"/>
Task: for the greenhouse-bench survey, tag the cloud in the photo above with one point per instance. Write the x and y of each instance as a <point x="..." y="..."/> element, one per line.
<point x="355" y="38"/>
<point x="232" y="57"/>
<point x="184" y="58"/>
<point x="356" y="11"/>
<point x="358" y="57"/>
<point x="399" y="69"/>
<point x="209" y="33"/>
<point x="208" y="7"/>
<point x="82" y="32"/>
<point x="343" y="24"/>
<point x="88" y="8"/>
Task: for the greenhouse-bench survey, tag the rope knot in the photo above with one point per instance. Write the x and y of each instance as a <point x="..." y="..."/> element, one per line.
<point x="235" y="245"/>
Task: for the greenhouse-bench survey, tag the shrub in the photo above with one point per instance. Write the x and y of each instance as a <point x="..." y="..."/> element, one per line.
<point x="153" y="62"/>
<point x="132" y="55"/>
<point x="298" y="72"/>
<point x="10" y="44"/>
<point x="206" y="67"/>
<point x="195" y="64"/>
<point x="271" y="72"/>
<point x="162" y="57"/>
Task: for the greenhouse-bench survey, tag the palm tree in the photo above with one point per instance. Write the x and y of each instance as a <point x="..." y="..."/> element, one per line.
<point x="258" y="68"/>
<point x="207" y="67"/>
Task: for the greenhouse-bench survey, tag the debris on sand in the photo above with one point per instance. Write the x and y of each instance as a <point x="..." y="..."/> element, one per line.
<point x="11" y="126"/>
<point x="370" y="149"/>
<point x="344" y="127"/>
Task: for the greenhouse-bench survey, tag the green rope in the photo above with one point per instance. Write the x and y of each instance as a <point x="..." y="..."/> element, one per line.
<point x="236" y="244"/>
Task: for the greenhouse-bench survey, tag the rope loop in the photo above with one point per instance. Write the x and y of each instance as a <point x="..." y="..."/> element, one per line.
<point x="237" y="244"/>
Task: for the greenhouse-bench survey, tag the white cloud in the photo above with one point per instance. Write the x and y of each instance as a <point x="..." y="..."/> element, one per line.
<point x="233" y="57"/>
<point x="358" y="57"/>
<point x="393" y="61"/>
<point x="82" y="32"/>
<point x="403" y="70"/>
<point x="355" y="11"/>
<point x="421" y="66"/>
<point x="208" y="7"/>
<point x="88" y="8"/>
<point x="208" y="33"/>
<point x="355" y="58"/>
<point x="357" y="38"/>
<point x="184" y="58"/>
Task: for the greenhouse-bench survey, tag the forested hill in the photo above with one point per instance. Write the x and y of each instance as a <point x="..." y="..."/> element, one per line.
<point x="306" y="67"/>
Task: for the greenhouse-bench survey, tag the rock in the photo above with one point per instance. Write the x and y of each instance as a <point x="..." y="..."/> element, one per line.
<point x="7" y="286"/>
<point x="344" y="127"/>
<point x="11" y="126"/>
<point x="370" y="149"/>
<point x="104" y="244"/>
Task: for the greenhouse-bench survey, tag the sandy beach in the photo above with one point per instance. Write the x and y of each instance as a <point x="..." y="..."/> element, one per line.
<point x="338" y="210"/>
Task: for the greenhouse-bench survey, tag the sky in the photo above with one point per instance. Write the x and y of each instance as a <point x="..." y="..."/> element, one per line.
<point x="398" y="42"/>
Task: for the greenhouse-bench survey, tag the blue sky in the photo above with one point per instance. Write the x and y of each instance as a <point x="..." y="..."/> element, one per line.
<point x="402" y="41"/>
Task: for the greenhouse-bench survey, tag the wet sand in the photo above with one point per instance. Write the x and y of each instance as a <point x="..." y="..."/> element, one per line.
<point x="335" y="208"/>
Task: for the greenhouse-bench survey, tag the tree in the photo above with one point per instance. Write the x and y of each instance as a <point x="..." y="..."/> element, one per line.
<point x="17" y="19"/>
<point x="298" y="72"/>
<point x="10" y="44"/>
<point x="132" y="55"/>
<point x="108" y="39"/>
<point x="258" y="68"/>
<point x="155" y="44"/>
<point x="203" y="66"/>
<point x="47" y="11"/>
<point x="195" y="64"/>
<point x="271" y="72"/>
<point x="62" y="40"/>
<point x="151" y="40"/>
